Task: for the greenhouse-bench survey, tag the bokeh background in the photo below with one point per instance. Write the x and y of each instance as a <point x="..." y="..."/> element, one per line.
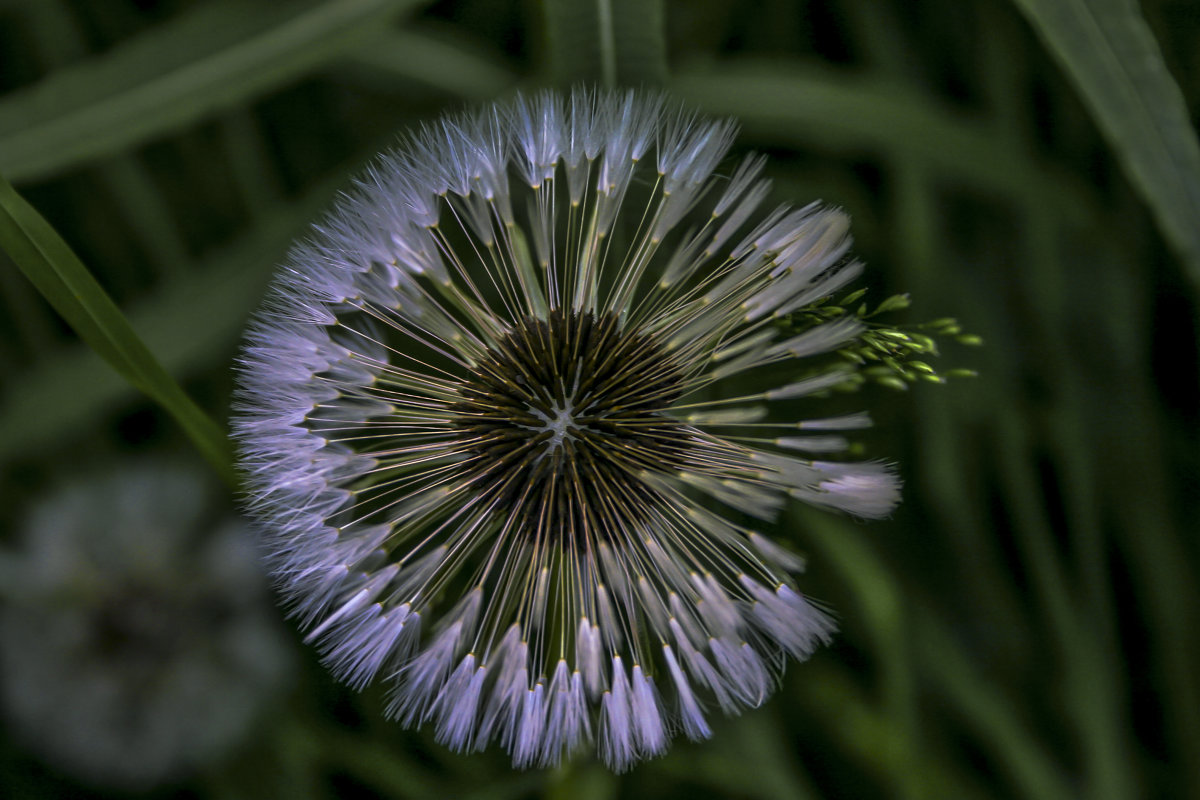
<point x="1025" y="626"/>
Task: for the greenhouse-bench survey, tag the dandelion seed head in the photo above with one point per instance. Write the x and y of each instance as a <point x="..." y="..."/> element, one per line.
<point x="137" y="640"/>
<point x="516" y="417"/>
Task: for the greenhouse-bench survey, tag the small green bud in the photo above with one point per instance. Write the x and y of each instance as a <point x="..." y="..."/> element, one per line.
<point x="851" y="356"/>
<point x="941" y="324"/>
<point x="923" y="343"/>
<point x="853" y="297"/>
<point x="851" y="384"/>
<point x="894" y="303"/>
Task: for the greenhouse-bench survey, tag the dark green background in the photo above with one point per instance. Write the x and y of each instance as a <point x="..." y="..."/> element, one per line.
<point x="1024" y="626"/>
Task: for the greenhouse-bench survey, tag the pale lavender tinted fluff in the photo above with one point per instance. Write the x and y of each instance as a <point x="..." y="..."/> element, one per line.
<point x="508" y="411"/>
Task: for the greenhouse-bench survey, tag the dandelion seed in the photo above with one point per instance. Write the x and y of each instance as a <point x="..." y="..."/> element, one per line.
<point x="521" y="389"/>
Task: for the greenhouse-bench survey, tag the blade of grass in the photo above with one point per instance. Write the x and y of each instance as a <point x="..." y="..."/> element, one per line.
<point x="250" y="162"/>
<point x="992" y="715"/>
<point x="1095" y="685"/>
<point x="1088" y="674"/>
<point x="607" y="42"/>
<point x="190" y="319"/>
<point x="35" y="330"/>
<point x="886" y="612"/>
<point x="207" y="60"/>
<point x="50" y="264"/>
<point x="58" y="36"/>
<point x="143" y="208"/>
<point x="1156" y="529"/>
<point x="1108" y="50"/>
<point x="799" y="106"/>
<point x="870" y="736"/>
<point x="452" y="65"/>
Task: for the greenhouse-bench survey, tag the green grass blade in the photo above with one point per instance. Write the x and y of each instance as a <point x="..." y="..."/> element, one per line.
<point x="61" y="39"/>
<point x="1110" y="53"/>
<point x="885" y="613"/>
<point x="872" y="737"/>
<point x="1090" y="696"/>
<point x="608" y="42"/>
<point x="994" y="717"/>
<point x="797" y="106"/>
<point x="454" y="65"/>
<point x="210" y="59"/>
<point x="52" y="267"/>
<point x="192" y="319"/>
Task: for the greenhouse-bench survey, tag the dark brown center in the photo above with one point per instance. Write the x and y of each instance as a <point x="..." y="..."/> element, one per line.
<point x="564" y="417"/>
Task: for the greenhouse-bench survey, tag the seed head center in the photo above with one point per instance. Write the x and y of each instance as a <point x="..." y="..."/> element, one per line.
<point x="559" y="421"/>
<point x="564" y="417"/>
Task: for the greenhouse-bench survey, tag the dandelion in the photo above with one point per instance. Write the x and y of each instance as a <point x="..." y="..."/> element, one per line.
<point x="514" y="416"/>
<point x="137" y="640"/>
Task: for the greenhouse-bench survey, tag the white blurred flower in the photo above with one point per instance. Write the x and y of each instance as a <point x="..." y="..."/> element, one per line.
<point x="137" y="639"/>
<point x="509" y="411"/>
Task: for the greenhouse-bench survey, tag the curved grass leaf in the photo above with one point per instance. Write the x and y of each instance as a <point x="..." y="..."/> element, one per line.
<point x="457" y="67"/>
<point x="886" y="615"/>
<point x="609" y="42"/>
<point x="213" y="58"/>
<point x="1089" y="696"/>
<point x="60" y="37"/>
<point x="989" y="713"/>
<point x="799" y="106"/>
<point x="1110" y="53"/>
<point x="190" y="318"/>
<point x="873" y="738"/>
<point x="65" y="282"/>
<point x="944" y="663"/>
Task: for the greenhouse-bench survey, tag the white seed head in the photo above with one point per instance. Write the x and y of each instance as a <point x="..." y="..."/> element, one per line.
<point x="519" y="389"/>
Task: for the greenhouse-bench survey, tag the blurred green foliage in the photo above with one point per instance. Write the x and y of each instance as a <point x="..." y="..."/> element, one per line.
<point x="1025" y="626"/>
